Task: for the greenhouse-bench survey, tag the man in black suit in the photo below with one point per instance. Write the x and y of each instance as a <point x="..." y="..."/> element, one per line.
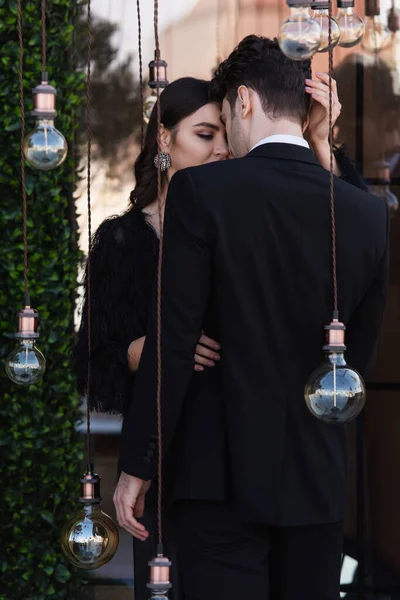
<point x="259" y="484"/>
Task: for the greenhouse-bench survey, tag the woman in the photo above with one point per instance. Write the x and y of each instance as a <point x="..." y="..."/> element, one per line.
<point x="124" y="254"/>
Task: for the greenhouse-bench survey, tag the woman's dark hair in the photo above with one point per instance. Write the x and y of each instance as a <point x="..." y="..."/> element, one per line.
<point x="179" y="100"/>
<point x="259" y="64"/>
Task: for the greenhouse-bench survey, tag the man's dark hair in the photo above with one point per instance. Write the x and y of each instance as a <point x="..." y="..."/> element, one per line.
<point x="259" y="64"/>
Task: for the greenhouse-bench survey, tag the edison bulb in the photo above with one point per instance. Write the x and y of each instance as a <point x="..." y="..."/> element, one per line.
<point x="25" y="365"/>
<point x="335" y="393"/>
<point x="90" y="538"/>
<point x="376" y="36"/>
<point x="322" y="18"/>
<point x="351" y="27"/>
<point x="148" y="106"/>
<point x="300" y="35"/>
<point x="384" y="192"/>
<point x="45" y="148"/>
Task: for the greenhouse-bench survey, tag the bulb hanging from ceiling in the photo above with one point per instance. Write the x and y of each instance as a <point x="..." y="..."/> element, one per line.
<point x="321" y="16"/>
<point x="26" y="365"/>
<point x="149" y="102"/>
<point x="89" y="539"/>
<point x="45" y="148"/>
<point x="300" y="35"/>
<point x="377" y="35"/>
<point x="335" y="393"/>
<point x="350" y="24"/>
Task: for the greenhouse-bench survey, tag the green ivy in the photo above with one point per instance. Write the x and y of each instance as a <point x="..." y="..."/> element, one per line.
<point x="40" y="452"/>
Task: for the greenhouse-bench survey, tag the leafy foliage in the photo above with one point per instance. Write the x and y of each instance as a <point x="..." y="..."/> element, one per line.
<point x="40" y="451"/>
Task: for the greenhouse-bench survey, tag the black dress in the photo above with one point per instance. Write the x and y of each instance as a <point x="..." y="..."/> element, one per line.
<point x="123" y="266"/>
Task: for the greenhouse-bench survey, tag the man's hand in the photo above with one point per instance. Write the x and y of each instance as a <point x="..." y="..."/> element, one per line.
<point x="129" y="497"/>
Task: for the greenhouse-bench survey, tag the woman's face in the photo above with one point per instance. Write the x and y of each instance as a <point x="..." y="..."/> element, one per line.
<point x="198" y="139"/>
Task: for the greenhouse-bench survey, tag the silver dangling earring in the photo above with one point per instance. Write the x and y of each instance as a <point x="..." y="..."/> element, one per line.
<point x="165" y="161"/>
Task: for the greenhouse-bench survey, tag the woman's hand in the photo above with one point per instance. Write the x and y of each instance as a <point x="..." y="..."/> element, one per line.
<point x="317" y="131"/>
<point x="318" y="125"/>
<point x="206" y="354"/>
<point x="135" y="352"/>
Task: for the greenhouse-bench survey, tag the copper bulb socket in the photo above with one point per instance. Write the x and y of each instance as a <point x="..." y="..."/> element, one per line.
<point x="335" y="336"/>
<point x="44" y="100"/>
<point x="159" y="573"/>
<point x="160" y="65"/>
<point x="372" y="8"/>
<point x="90" y="488"/>
<point x="394" y="20"/>
<point x="28" y="320"/>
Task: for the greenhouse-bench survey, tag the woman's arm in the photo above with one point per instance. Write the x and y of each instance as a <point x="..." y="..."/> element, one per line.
<point x="117" y="297"/>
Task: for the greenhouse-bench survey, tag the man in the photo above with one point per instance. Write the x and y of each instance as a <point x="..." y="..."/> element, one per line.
<point x="259" y="484"/>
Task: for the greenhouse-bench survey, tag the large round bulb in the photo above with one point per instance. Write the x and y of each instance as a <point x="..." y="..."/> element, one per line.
<point x="25" y="364"/>
<point x="384" y="192"/>
<point x="351" y="27"/>
<point x="90" y="538"/>
<point x="376" y="36"/>
<point x="335" y="393"/>
<point x="299" y="36"/>
<point x="322" y="18"/>
<point x="45" y="147"/>
<point x="148" y="106"/>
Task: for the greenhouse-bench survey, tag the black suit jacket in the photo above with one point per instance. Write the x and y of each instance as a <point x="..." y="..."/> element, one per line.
<point x="247" y="255"/>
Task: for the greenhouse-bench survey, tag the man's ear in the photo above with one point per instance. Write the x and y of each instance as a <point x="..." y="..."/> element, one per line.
<point x="244" y="103"/>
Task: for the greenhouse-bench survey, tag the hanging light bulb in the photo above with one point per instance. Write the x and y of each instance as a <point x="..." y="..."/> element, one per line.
<point x="350" y="24"/>
<point x="380" y="186"/>
<point x="26" y="365"/>
<point x="159" y="576"/>
<point x="321" y="16"/>
<point x="377" y="35"/>
<point x="335" y="393"/>
<point x="45" y="148"/>
<point x="89" y="539"/>
<point x="300" y="35"/>
<point x="158" y="64"/>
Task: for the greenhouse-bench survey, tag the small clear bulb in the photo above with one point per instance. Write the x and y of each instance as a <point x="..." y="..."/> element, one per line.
<point x="89" y="539"/>
<point x="300" y="35"/>
<point x="148" y="106"/>
<point x="335" y="393"/>
<point x="45" y="148"/>
<point x="25" y="365"/>
<point x="321" y="16"/>
<point x="377" y="36"/>
<point x="351" y="27"/>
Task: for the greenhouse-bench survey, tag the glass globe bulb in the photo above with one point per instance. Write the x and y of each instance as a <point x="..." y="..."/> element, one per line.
<point x="335" y="393"/>
<point x="376" y="36"/>
<point x="299" y="36"/>
<point x="351" y="27"/>
<point x="45" y="148"/>
<point x="384" y="192"/>
<point x="25" y="365"/>
<point x="90" y="538"/>
<point x="148" y="106"/>
<point x="322" y="18"/>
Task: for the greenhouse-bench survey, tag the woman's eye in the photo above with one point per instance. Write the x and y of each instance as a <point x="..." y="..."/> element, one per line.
<point x="205" y="136"/>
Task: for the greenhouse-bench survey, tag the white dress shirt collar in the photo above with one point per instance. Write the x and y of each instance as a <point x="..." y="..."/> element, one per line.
<point x="283" y="139"/>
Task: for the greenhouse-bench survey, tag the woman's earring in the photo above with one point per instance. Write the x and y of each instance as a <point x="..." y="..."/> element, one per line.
<point x="164" y="160"/>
